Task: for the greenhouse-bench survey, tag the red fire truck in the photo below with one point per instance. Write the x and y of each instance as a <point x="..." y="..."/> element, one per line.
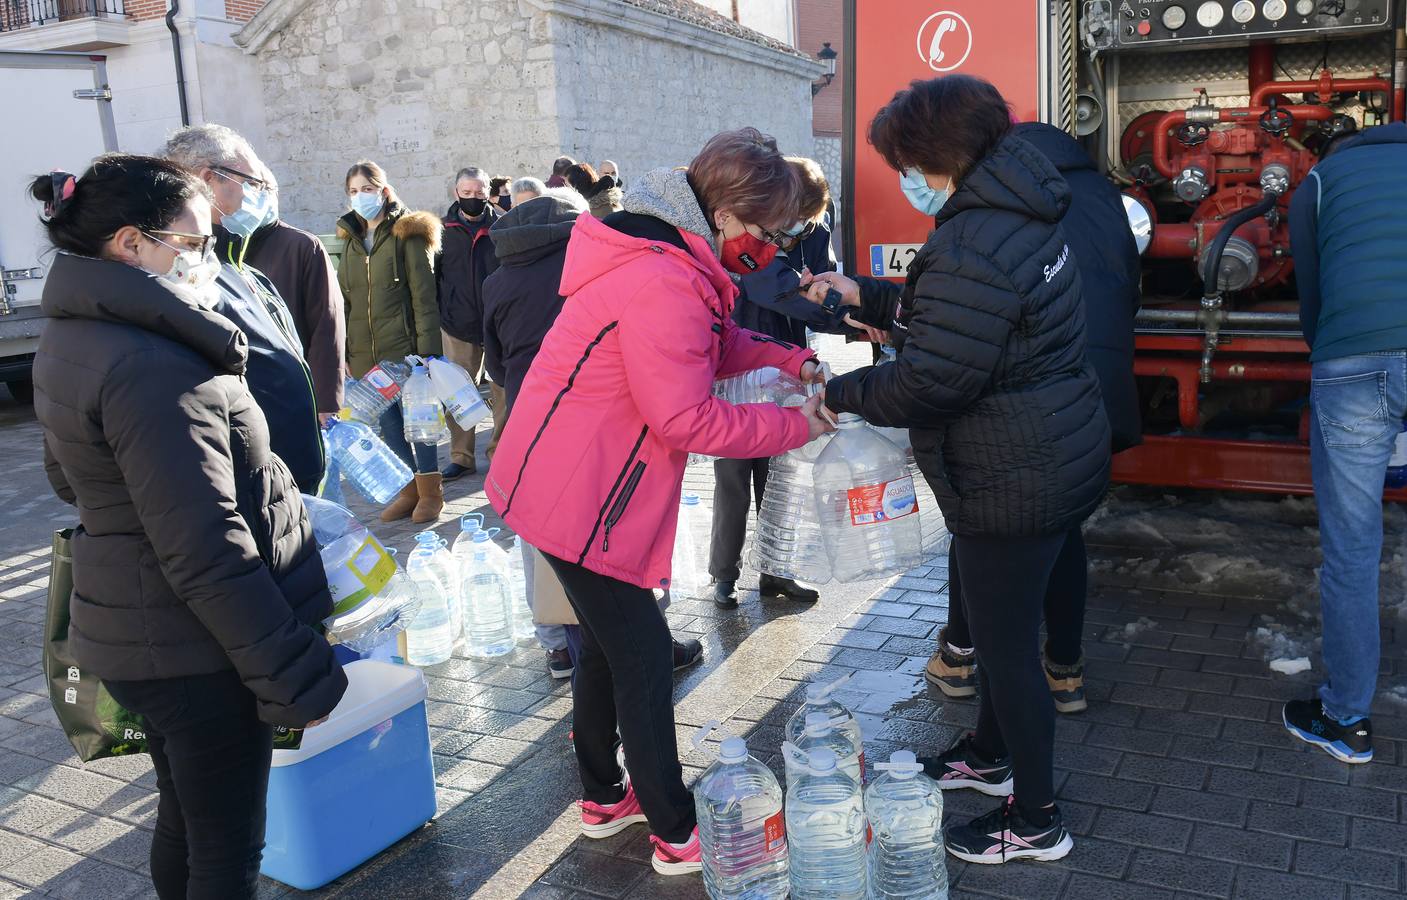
<point x="1208" y="114"/>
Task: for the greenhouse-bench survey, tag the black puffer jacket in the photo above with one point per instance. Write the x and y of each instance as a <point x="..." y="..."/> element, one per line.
<point x="991" y="377"/>
<point x="194" y="554"/>
<point x="1109" y="274"/>
<point x="466" y="259"/>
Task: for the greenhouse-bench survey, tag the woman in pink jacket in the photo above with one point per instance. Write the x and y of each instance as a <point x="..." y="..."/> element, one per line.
<point x="590" y="465"/>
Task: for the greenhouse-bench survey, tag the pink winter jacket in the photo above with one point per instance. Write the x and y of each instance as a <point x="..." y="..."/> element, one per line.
<point x="591" y="462"/>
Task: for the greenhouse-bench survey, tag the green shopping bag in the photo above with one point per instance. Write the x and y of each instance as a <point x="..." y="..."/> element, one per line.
<point x="97" y="726"/>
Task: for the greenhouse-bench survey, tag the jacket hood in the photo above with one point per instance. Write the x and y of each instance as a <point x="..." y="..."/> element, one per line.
<point x="79" y="287"/>
<point x="666" y="194"/>
<point x="1063" y="151"/>
<point x="597" y="249"/>
<point x="529" y="230"/>
<point x="1394" y="133"/>
<point x="1014" y="177"/>
<point x="404" y="224"/>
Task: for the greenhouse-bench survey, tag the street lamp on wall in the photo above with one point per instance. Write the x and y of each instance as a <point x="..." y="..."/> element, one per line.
<point x="827" y="56"/>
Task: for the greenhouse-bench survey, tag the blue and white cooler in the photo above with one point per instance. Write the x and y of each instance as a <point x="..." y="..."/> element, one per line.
<point x="358" y="783"/>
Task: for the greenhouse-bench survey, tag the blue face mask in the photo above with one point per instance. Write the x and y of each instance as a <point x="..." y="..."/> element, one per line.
<point x="368" y="206"/>
<point x="925" y="199"/>
<point x="253" y="211"/>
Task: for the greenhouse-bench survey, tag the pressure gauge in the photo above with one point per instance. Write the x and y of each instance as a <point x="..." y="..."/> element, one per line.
<point x="1304" y="7"/>
<point x="1209" y="14"/>
<point x="1274" y="10"/>
<point x="1174" y="17"/>
<point x="1243" y="11"/>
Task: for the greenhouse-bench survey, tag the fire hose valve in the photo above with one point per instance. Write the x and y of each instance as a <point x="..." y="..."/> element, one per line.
<point x="1191" y="185"/>
<point x="1275" y="179"/>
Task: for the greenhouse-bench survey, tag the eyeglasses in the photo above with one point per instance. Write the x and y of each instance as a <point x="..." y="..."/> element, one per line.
<point x="236" y="175"/>
<point x="206" y="240"/>
<point x="776" y="238"/>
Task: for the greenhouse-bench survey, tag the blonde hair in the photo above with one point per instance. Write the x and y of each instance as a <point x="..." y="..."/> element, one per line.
<point x="374" y="174"/>
<point x="743" y="172"/>
<point x="815" y="190"/>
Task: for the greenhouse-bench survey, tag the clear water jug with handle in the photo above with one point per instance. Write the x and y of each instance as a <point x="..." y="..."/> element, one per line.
<point x="820" y="698"/>
<point x="484" y="589"/>
<point x="826" y="828"/>
<point x="371" y="395"/>
<point x="765" y="385"/>
<point x="905" y="810"/>
<point x="424" y="416"/>
<point x="372" y="599"/>
<point x="523" y="626"/>
<point x="457" y="392"/>
<point x="821" y="730"/>
<point x="365" y="460"/>
<point x="742" y="830"/>
<point x="431" y="637"/>
<point x="868" y="504"/>
<point x="899" y="437"/>
<point x="787" y="541"/>
<point x="686" y="578"/>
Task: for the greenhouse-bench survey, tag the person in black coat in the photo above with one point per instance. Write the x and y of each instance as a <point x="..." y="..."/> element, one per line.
<point x="1005" y="416"/>
<point x="1107" y="258"/>
<point x="198" y="591"/>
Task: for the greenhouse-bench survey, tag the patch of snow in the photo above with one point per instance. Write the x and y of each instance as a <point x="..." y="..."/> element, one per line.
<point x="1290" y="666"/>
<point x="1134" y="629"/>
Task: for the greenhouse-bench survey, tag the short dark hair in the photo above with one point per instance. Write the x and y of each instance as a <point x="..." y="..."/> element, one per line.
<point x="581" y="177"/>
<point x="117" y="190"/>
<point x="561" y="164"/>
<point x="497" y="183"/>
<point x="942" y="126"/>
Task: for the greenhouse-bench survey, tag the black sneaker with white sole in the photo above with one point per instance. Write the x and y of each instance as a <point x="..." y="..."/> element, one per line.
<point x="961" y="766"/>
<point x="1004" y="834"/>
<point x="559" y="664"/>
<point x="1305" y="719"/>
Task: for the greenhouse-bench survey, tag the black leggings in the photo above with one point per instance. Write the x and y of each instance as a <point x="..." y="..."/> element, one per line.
<point x="1064" y="604"/>
<point x="1004" y="586"/>
<point x="624" y="679"/>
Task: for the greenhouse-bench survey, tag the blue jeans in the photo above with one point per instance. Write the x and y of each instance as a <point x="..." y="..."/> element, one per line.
<point x="423" y="459"/>
<point x="1358" y="404"/>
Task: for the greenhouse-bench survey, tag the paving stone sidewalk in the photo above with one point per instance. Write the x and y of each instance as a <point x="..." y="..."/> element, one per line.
<point x="1178" y="782"/>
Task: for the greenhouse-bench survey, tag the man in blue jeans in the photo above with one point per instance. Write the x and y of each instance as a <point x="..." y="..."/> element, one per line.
<point x="1348" y="236"/>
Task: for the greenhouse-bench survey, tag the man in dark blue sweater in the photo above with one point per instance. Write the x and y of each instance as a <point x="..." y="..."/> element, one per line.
<point x="1348" y="234"/>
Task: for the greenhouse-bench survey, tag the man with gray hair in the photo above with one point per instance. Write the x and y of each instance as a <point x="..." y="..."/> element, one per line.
<point x="466" y="259"/>
<point x="278" y="287"/>
<point x="526" y="188"/>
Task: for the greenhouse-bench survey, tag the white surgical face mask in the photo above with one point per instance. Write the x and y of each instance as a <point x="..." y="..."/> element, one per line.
<point x="190" y="267"/>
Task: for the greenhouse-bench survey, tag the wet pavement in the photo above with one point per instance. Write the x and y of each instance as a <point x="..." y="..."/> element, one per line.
<point x="1177" y="782"/>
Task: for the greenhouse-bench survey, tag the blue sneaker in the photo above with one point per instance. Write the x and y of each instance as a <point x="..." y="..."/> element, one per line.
<point x="1305" y="719"/>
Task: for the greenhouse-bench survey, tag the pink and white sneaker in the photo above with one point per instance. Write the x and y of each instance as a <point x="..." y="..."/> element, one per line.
<point x="677" y="859"/>
<point x="598" y="821"/>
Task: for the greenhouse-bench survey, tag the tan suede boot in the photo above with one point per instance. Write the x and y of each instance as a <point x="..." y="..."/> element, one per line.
<point x="432" y="498"/>
<point x="402" y="506"/>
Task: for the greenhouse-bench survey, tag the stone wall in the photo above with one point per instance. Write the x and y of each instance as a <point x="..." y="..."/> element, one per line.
<point x="828" y="155"/>
<point x="396" y="81"/>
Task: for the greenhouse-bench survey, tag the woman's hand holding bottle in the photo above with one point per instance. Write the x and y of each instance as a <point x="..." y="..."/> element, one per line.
<point x="818" y="421"/>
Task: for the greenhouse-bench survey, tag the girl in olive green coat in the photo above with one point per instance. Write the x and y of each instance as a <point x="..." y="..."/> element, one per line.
<point x="388" y="284"/>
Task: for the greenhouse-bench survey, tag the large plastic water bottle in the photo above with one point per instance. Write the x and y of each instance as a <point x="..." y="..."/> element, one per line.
<point x="365" y="461"/>
<point x="899" y="437"/>
<point x="820" y="699"/>
<point x="372" y="598"/>
<point x="741" y="828"/>
<point x="1397" y="463"/>
<point x="765" y="385"/>
<point x="787" y="541"/>
<point x="868" y="504"/>
<point x="424" y="416"/>
<point x="686" y="579"/>
<point x="372" y="394"/>
<point x="484" y="591"/>
<point x="905" y="810"/>
<point x="431" y="637"/>
<point x="821" y="730"/>
<point x="826" y="828"/>
<point x="457" y="392"/>
<point x="523" y="625"/>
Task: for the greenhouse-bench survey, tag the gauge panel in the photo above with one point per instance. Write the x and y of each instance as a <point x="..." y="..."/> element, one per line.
<point x="1151" y="23"/>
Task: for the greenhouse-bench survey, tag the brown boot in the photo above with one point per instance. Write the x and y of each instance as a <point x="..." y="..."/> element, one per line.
<point x="1067" y="685"/>
<point x="402" y="506"/>
<point x="432" y="498"/>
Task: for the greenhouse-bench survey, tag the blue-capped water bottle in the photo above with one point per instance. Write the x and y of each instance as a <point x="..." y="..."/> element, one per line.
<point x="366" y="461"/>
<point x="484" y="590"/>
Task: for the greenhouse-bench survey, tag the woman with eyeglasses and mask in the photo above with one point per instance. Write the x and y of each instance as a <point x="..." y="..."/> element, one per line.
<point x="592" y="459"/>
<point x="387" y="277"/>
<point x="197" y="586"/>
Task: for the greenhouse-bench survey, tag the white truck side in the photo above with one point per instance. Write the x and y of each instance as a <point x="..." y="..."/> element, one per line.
<point x="58" y="115"/>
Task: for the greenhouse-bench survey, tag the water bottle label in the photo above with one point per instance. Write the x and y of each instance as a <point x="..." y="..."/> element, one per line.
<point x="382" y="383"/>
<point x="775" y="831"/>
<point x="362" y="451"/>
<point x="883" y="502"/>
<point x="364" y="575"/>
<point x="464" y="400"/>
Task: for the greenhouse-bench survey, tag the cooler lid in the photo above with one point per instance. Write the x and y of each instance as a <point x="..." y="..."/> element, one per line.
<point x="376" y="691"/>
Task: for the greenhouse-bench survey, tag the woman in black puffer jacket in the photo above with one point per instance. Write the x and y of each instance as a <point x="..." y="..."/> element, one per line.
<point x="1005" y="416"/>
<point x="197" y="585"/>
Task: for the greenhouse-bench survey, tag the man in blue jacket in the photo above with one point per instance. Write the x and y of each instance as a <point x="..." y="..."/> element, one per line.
<point x="1347" y="234"/>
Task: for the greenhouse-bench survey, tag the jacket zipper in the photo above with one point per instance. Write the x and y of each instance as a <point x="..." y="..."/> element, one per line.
<point x="552" y="410"/>
<point x="611" y="494"/>
<point x="618" y="509"/>
<point x="371" y="328"/>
